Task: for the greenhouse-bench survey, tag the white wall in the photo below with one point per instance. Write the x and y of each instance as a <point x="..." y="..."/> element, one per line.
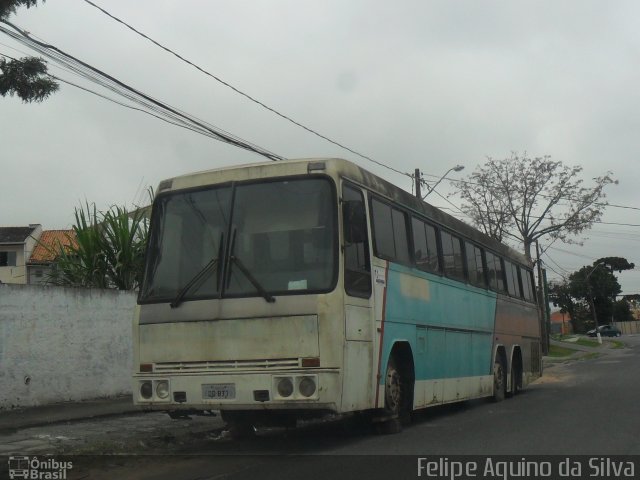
<point x="18" y="273"/>
<point x="59" y="344"/>
<point x="14" y="273"/>
<point x="628" y="328"/>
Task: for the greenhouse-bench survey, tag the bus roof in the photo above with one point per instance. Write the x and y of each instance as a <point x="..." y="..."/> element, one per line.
<point x="340" y="168"/>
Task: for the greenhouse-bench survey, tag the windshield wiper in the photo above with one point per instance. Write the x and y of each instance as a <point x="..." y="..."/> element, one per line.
<point x="210" y="267"/>
<point x="252" y="279"/>
<point x="204" y="271"/>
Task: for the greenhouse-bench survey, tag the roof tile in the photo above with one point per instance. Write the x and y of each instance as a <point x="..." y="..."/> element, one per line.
<point x="15" y="234"/>
<point x="50" y="242"/>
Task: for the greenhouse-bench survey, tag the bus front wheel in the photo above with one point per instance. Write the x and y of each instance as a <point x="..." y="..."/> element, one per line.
<point x="393" y="390"/>
<point x="394" y="399"/>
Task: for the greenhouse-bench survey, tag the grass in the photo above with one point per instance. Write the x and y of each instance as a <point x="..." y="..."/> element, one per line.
<point x="587" y="343"/>
<point x="558" y="352"/>
<point x="616" y="344"/>
<point x="590" y="356"/>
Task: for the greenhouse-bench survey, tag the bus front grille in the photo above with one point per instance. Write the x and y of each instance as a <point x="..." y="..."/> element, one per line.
<point x="226" y="365"/>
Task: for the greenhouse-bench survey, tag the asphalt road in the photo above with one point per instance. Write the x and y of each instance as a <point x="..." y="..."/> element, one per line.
<point x="586" y="407"/>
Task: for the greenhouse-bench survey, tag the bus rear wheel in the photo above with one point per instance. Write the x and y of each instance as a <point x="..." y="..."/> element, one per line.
<point x="499" y="379"/>
<point x="516" y="378"/>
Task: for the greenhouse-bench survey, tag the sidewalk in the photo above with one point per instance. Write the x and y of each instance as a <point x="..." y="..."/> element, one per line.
<point x="19" y="418"/>
<point x="582" y="351"/>
<point x="98" y="427"/>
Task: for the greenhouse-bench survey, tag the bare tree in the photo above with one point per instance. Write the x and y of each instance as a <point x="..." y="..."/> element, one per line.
<point x="525" y="198"/>
<point x="483" y="206"/>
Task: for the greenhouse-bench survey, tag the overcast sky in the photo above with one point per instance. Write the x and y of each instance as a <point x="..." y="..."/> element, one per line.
<point x="413" y="84"/>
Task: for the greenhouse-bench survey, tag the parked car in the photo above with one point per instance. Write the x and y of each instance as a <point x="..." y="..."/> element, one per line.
<point x="605" y="331"/>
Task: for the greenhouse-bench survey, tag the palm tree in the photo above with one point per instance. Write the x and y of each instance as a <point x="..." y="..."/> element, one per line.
<point x="108" y="251"/>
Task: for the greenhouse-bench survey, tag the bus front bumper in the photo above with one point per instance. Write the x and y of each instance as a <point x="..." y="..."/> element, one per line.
<point x="317" y="389"/>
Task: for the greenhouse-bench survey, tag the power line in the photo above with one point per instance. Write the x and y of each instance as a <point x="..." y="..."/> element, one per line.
<point x="467" y="182"/>
<point x="452" y="204"/>
<point x="246" y="95"/>
<point x="556" y="272"/>
<point x="571" y="253"/>
<point x="175" y="116"/>
<point x="557" y="265"/>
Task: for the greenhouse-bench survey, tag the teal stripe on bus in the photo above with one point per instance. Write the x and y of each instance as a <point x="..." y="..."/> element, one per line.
<point x="449" y="325"/>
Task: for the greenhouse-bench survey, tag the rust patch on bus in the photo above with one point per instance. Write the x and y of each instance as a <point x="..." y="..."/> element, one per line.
<point x="417" y="288"/>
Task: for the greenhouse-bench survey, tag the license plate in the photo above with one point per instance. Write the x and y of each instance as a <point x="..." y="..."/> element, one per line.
<point x="219" y="391"/>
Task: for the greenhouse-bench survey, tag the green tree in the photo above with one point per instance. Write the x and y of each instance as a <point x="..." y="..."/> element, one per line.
<point x="108" y="251"/>
<point x="26" y="77"/>
<point x="525" y="199"/>
<point x="560" y="296"/>
<point x="596" y="285"/>
<point x="622" y="311"/>
<point x="617" y="264"/>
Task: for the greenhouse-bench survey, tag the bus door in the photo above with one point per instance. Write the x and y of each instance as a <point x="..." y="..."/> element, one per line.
<point x="358" y="373"/>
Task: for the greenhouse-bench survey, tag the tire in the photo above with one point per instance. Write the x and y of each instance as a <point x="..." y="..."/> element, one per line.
<point x="499" y="380"/>
<point x="393" y="390"/>
<point x="515" y="380"/>
<point x="395" y="400"/>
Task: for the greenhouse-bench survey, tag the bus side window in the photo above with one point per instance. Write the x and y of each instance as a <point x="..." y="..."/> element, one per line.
<point x="357" y="264"/>
<point x="527" y="289"/>
<point x="452" y="255"/>
<point x="390" y="232"/>
<point x="513" y="286"/>
<point x="425" y="246"/>
<point x="495" y="272"/>
<point x="475" y="265"/>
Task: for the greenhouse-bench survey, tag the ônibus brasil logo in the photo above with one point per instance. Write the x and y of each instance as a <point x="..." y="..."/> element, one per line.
<point x="34" y="468"/>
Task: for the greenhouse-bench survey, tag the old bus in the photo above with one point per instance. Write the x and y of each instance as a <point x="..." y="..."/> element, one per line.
<point x="293" y="289"/>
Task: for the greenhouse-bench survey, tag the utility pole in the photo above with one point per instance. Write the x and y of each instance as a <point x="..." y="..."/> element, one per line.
<point x="544" y="334"/>
<point x="613" y="303"/>
<point x="418" y="180"/>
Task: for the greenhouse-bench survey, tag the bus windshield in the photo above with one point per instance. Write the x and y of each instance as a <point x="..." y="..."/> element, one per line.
<point x="268" y="238"/>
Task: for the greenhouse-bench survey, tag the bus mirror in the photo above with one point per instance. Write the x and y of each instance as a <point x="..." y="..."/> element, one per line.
<point x="355" y="225"/>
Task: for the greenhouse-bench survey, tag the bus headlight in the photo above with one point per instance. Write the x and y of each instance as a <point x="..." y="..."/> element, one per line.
<point x="285" y="387"/>
<point x="162" y="389"/>
<point x="146" y="390"/>
<point x="307" y="386"/>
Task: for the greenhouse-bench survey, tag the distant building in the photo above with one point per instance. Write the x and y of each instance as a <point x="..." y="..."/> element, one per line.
<point x="46" y="252"/>
<point x="634" y="305"/>
<point x="561" y="323"/>
<point x="16" y="246"/>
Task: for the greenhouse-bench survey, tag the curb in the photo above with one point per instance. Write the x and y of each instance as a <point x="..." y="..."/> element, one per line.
<point x="15" y="419"/>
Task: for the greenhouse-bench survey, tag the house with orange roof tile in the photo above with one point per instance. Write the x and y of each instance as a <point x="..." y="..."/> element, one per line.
<point x="46" y="252"/>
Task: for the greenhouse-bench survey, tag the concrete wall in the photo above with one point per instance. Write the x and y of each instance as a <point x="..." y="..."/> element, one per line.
<point x="628" y="328"/>
<point x="59" y="344"/>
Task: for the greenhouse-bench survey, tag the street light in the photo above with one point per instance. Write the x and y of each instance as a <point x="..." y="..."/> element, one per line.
<point x="593" y="307"/>
<point x="457" y="168"/>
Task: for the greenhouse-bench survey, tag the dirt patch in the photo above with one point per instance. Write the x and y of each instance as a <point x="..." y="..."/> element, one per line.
<point x="553" y="375"/>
